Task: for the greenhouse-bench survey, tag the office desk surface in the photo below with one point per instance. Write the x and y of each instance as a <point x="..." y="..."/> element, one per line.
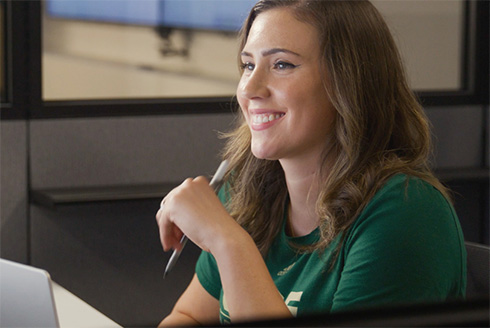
<point x="74" y="312"/>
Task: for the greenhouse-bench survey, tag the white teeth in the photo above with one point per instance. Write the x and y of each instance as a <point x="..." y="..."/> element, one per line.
<point x="264" y="118"/>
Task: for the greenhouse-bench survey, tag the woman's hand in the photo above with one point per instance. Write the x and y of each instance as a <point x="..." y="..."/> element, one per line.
<point x="193" y="209"/>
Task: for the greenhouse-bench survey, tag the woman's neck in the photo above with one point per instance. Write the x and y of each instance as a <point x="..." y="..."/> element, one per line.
<point x="302" y="183"/>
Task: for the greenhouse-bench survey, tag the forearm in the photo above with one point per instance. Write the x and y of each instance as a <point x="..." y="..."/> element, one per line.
<point x="248" y="287"/>
<point x="194" y="307"/>
<point x="175" y="319"/>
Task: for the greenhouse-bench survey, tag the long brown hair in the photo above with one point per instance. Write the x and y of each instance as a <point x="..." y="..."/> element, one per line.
<point x="380" y="128"/>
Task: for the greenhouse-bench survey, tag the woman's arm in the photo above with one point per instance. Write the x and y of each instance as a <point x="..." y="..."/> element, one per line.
<point x="248" y="287"/>
<point x="194" y="209"/>
<point x="194" y="307"/>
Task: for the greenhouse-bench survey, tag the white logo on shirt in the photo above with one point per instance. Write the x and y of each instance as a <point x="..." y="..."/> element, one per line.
<point x="293" y="297"/>
<point x="285" y="270"/>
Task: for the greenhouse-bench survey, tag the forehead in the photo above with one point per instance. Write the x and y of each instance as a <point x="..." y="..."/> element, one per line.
<point x="280" y="28"/>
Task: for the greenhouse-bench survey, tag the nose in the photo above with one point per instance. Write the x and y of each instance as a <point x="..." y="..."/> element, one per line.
<point x="254" y="85"/>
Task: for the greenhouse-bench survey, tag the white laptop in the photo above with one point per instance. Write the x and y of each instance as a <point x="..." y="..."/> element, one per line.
<point x="26" y="296"/>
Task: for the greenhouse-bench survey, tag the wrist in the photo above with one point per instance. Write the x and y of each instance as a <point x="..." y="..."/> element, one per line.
<point x="231" y="242"/>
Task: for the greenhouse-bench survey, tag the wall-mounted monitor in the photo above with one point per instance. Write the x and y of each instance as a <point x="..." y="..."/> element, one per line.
<point x="223" y="15"/>
<point x="220" y="15"/>
<point x="131" y="12"/>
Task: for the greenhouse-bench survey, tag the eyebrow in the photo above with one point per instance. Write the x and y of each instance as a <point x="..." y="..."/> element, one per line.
<point x="272" y="51"/>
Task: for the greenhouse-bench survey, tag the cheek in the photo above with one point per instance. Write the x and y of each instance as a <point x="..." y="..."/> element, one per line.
<point x="316" y="110"/>
<point x="245" y="115"/>
<point x="297" y="92"/>
<point x="325" y="116"/>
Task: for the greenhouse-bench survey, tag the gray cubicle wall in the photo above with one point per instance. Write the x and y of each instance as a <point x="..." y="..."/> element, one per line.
<point x="108" y="253"/>
<point x="14" y="239"/>
<point x="461" y="147"/>
<point x="458" y="133"/>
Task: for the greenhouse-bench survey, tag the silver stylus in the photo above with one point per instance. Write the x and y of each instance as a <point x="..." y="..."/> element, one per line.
<point x="215" y="184"/>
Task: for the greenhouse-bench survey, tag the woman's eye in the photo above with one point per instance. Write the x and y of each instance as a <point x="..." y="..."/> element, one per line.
<point x="248" y="66"/>
<point x="283" y="65"/>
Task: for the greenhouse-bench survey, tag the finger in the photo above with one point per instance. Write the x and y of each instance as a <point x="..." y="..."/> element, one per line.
<point x="201" y="179"/>
<point x="162" y="203"/>
<point x="170" y="234"/>
<point x="178" y="234"/>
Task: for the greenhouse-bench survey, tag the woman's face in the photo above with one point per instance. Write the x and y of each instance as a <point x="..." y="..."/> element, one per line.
<point x="281" y="92"/>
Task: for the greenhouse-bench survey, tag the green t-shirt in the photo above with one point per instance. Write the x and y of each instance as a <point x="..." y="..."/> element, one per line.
<point x="406" y="246"/>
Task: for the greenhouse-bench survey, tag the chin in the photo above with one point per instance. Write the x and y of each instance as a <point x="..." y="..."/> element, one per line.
<point x="263" y="154"/>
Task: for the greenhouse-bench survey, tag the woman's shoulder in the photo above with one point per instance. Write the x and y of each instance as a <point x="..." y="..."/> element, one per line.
<point x="406" y="245"/>
<point x="408" y="213"/>
<point x="409" y="190"/>
<point x="407" y="202"/>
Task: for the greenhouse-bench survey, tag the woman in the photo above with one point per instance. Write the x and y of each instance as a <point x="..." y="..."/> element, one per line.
<point x="329" y="202"/>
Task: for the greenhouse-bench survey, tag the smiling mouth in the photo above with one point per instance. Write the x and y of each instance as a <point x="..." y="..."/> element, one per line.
<point x="258" y="119"/>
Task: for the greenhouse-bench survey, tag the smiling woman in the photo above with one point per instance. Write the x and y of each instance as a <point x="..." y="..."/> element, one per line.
<point x="329" y="202"/>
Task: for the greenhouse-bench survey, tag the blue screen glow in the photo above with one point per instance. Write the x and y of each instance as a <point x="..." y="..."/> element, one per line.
<point x="224" y="15"/>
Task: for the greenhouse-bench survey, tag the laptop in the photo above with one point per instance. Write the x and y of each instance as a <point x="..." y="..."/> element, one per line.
<point x="26" y="296"/>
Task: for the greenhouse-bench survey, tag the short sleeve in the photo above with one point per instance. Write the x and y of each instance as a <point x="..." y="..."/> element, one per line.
<point x="406" y="246"/>
<point x="208" y="274"/>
